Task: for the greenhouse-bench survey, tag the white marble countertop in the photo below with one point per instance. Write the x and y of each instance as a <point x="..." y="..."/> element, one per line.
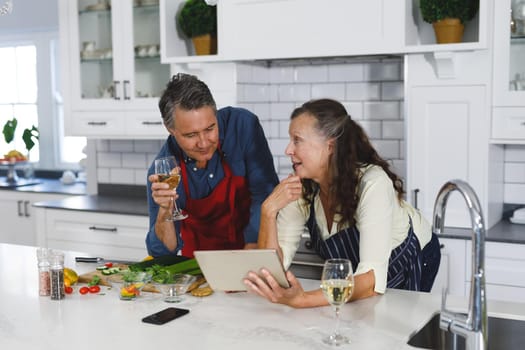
<point x="220" y="321"/>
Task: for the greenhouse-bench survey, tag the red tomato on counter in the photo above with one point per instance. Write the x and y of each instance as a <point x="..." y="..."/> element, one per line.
<point x="94" y="289"/>
<point x="84" y="290"/>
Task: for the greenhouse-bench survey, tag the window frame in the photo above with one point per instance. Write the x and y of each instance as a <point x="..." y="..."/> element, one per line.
<point x="49" y="99"/>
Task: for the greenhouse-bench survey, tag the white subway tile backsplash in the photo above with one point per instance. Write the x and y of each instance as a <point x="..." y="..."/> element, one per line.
<point x="354" y="109"/>
<point x="372" y="128"/>
<point x="277" y="146"/>
<point x="244" y="73"/>
<point x="393" y="130"/>
<point x="122" y="176"/>
<point x="381" y="110"/>
<point x="109" y="160"/>
<point x="121" y="146"/>
<point x="102" y="145"/>
<point x="141" y="176"/>
<point x="261" y="74"/>
<point x="380" y="71"/>
<point x="333" y="91"/>
<point x="291" y="92"/>
<point x="261" y="110"/>
<point x="392" y="90"/>
<point x="515" y="172"/>
<point x="345" y="72"/>
<point x="399" y="167"/>
<point x="281" y="111"/>
<point x="371" y="91"/>
<point x="363" y="91"/>
<point x="280" y="75"/>
<point x="102" y="175"/>
<point x="256" y="92"/>
<point x="388" y="149"/>
<point x="134" y="160"/>
<point x="144" y="146"/>
<point x="311" y="74"/>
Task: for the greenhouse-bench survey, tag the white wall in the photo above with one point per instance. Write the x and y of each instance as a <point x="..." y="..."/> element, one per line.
<point x="30" y="16"/>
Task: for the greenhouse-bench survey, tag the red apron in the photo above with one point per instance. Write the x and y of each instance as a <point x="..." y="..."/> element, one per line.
<point x="216" y="221"/>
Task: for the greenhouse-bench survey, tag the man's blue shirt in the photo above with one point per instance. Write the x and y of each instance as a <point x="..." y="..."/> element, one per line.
<point x="247" y="153"/>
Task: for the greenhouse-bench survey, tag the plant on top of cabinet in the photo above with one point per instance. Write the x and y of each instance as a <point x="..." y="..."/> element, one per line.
<point x="448" y="17"/>
<point x="198" y="21"/>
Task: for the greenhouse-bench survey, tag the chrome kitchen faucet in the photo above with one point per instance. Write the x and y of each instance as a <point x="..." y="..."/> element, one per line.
<point x="473" y="326"/>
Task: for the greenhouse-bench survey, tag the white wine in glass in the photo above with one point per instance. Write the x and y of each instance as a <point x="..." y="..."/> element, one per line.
<point x="337" y="284"/>
<point x="168" y="171"/>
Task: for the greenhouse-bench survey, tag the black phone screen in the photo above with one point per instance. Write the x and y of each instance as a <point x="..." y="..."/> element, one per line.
<point x="165" y="315"/>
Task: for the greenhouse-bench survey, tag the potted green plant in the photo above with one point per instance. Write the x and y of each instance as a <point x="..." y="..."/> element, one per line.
<point x="198" y="21"/>
<point x="29" y="136"/>
<point x="448" y="17"/>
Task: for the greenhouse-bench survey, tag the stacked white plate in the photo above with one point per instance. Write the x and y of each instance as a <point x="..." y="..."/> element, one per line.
<point x="518" y="217"/>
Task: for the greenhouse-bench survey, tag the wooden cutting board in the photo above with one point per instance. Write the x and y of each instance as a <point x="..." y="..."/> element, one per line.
<point x="104" y="279"/>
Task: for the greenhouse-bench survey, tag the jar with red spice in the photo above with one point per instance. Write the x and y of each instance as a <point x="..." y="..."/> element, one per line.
<point x="44" y="282"/>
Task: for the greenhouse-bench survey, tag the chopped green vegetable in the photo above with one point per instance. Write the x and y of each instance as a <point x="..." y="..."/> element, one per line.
<point x="94" y="281"/>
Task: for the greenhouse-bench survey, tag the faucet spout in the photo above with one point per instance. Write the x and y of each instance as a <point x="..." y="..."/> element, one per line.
<point x="474" y="326"/>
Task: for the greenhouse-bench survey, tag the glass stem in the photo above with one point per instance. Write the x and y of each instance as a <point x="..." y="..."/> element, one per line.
<point x="336" y="330"/>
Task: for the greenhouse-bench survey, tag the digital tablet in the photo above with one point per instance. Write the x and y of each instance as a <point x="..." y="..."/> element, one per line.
<point x="225" y="269"/>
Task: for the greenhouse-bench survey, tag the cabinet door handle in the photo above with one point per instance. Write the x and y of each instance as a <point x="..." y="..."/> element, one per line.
<point x="416" y="191"/>
<point x="109" y="229"/>
<point x="115" y="88"/>
<point x="26" y="209"/>
<point x="97" y="123"/>
<point x="19" y="205"/>
<point x="126" y="82"/>
<point x="151" y="123"/>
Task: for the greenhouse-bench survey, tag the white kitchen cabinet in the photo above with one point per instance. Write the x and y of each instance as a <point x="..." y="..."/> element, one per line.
<point x="447" y="139"/>
<point x="452" y="271"/>
<point x="100" y="234"/>
<point x="17" y="215"/>
<point x="111" y="72"/>
<point x="505" y="271"/>
<point x="509" y="58"/>
<point x="508" y="118"/>
<point x="254" y="29"/>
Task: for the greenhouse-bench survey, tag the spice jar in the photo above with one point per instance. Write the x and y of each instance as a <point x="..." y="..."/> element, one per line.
<point x="44" y="282"/>
<point x="57" y="276"/>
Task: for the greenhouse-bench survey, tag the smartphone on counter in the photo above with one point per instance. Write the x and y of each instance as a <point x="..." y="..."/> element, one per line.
<point x="165" y="315"/>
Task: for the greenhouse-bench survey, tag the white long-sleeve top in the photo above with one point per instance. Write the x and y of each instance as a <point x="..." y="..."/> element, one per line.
<point x="382" y="221"/>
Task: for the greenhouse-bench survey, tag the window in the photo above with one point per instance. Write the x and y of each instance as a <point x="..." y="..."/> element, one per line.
<point x="29" y="85"/>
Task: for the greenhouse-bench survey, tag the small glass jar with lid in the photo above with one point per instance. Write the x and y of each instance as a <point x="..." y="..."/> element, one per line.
<point x="44" y="282"/>
<point x="57" y="276"/>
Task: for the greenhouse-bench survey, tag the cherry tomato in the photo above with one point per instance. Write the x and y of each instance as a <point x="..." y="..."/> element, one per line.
<point x="68" y="289"/>
<point x="94" y="289"/>
<point x="108" y="264"/>
<point x="84" y="290"/>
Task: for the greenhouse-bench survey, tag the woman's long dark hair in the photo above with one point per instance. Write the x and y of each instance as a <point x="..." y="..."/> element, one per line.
<point x="352" y="151"/>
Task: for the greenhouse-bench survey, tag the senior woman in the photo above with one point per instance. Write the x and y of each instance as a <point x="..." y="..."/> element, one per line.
<point x="350" y="201"/>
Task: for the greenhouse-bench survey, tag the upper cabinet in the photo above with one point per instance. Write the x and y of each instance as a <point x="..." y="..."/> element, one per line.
<point x="508" y="119"/>
<point x="280" y="29"/>
<point x="112" y="74"/>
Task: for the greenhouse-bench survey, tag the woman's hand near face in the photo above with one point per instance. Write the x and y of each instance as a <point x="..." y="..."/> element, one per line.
<point x="287" y="191"/>
<point x="161" y="193"/>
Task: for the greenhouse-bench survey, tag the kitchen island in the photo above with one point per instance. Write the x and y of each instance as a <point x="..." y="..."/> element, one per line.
<point x="220" y="321"/>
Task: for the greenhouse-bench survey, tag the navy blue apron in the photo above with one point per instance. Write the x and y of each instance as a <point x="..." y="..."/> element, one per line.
<point x="406" y="262"/>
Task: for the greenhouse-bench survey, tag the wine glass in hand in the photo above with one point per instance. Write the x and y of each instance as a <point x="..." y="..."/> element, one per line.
<point x="337" y="284"/>
<point x="168" y="171"/>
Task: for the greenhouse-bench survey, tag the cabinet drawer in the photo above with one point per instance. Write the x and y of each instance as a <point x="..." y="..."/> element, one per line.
<point x="504" y="264"/>
<point x="145" y="124"/>
<point x="509" y="123"/>
<point x="108" y="235"/>
<point x="97" y="123"/>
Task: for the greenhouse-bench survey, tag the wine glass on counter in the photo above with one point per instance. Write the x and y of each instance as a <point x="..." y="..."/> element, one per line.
<point x="168" y="171"/>
<point x="337" y="284"/>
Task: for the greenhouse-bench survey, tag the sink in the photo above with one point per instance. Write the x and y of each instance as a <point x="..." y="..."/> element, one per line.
<point x="503" y="334"/>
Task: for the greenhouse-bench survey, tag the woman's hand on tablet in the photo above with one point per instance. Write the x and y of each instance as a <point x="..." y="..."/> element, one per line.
<point x="265" y="285"/>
